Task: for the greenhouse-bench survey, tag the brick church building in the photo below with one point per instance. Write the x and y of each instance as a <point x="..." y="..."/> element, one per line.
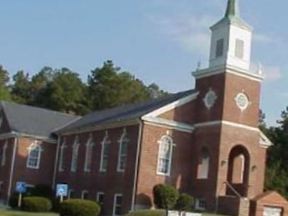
<point x="204" y="141"/>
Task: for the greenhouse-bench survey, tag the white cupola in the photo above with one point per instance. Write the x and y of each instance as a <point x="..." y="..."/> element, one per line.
<point x="231" y="40"/>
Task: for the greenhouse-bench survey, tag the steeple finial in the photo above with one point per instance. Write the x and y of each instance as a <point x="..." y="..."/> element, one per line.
<point x="232" y="9"/>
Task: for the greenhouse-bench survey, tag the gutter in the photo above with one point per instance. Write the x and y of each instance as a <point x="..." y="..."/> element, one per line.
<point x="56" y="163"/>
<point x="140" y="134"/>
<point x="12" y="166"/>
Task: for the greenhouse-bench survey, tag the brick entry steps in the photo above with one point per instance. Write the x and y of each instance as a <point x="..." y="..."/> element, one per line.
<point x="234" y="206"/>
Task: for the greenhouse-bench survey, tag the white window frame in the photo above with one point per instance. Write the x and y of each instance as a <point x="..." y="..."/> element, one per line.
<point x="199" y="204"/>
<point x="32" y="147"/>
<point x="4" y="151"/>
<point x="83" y="193"/>
<point x="162" y="142"/>
<point x="122" y="153"/>
<point x="61" y="157"/>
<point x="104" y="144"/>
<point x="115" y="205"/>
<point x="98" y="194"/>
<point x="75" y="151"/>
<point x="88" y="154"/>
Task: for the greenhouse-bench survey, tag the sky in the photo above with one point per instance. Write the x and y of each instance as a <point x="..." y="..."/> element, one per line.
<point x="159" y="41"/>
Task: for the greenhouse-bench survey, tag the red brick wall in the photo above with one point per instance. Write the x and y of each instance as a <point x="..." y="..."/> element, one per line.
<point x="183" y="113"/>
<point x="182" y="163"/>
<point x="232" y="137"/>
<point x="110" y="182"/>
<point x="227" y="86"/>
<point x="233" y="85"/>
<point x="273" y="199"/>
<point x="43" y="175"/>
<point x="208" y="138"/>
<point x="217" y="84"/>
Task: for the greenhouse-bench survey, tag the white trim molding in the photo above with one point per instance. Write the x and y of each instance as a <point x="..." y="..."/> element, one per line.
<point x="264" y="141"/>
<point x="173" y="105"/>
<point x="165" y="155"/>
<point x="227" y="69"/>
<point x="160" y="122"/>
<point x="84" y="193"/>
<point x="227" y="123"/>
<point x="88" y="153"/>
<point x="115" y="204"/>
<point x="34" y="146"/>
<point x="123" y="151"/>
<point x="104" y="158"/>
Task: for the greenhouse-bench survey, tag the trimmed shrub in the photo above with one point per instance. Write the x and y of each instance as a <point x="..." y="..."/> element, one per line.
<point x="147" y="213"/>
<point x="78" y="207"/>
<point x="184" y="202"/>
<point x="165" y="196"/>
<point x="36" y="204"/>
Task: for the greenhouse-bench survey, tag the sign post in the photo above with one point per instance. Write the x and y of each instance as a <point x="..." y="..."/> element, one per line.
<point x="20" y="188"/>
<point x="61" y="191"/>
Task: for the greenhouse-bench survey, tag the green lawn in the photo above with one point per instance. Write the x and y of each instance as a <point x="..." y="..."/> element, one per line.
<point x="19" y="213"/>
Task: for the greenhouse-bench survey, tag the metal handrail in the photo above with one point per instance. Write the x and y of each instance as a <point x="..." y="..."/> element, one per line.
<point x="233" y="189"/>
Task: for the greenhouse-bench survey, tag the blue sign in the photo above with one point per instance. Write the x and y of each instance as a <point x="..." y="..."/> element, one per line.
<point x="61" y="190"/>
<point x="21" y="187"/>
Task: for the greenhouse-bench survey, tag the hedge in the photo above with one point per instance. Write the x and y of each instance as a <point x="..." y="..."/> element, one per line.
<point x="147" y="213"/>
<point x="78" y="207"/>
<point x="36" y="204"/>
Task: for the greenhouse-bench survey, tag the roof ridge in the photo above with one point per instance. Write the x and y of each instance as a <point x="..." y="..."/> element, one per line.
<point x="124" y="112"/>
<point x="3" y="102"/>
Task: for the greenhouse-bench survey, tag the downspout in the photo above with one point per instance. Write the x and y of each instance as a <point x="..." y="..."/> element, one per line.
<point x="140" y="133"/>
<point x="56" y="162"/>
<point x="12" y="166"/>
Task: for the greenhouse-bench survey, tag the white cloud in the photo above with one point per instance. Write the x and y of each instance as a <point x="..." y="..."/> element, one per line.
<point x="271" y="73"/>
<point x="262" y="38"/>
<point x="190" y="32"/>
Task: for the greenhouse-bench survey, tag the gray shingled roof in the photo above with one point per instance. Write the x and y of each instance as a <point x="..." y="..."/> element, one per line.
<point x="34" y="121"/>
<point x="123" y="113"/>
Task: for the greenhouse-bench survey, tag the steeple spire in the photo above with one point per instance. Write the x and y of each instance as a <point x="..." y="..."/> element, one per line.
<point x="232" y="9"/>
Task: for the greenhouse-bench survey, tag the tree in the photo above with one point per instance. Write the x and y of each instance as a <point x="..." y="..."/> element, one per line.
<point x="109" y="87"/>
<point x="21" y="89"/>
<point x="277" y="173"/>
<point x="155" y="91"/>
<point x="4" y="79"/>
<point x="65" y="93"/>
<point x="165" y="196"/>
<point x="184" y="203"/>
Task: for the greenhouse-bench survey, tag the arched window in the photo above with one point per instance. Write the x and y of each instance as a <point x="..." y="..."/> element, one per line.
<point x="75" y="149"/>
<point x="122" y="154"/>
<point x="34" y="156"/>
<point x="104" y="153"/>
<point x="84" y="194"/>
<point x="203" y="164"/>
<point x="165" y="155"/>
<point x="61" y="157"/>
<point x="88" y="154"/>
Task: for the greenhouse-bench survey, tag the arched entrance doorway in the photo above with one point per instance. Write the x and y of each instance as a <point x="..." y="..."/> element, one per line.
<point x="238" y="171"/>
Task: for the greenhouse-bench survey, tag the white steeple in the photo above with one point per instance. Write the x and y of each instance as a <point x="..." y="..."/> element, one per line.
<point x="231" y="40"/>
